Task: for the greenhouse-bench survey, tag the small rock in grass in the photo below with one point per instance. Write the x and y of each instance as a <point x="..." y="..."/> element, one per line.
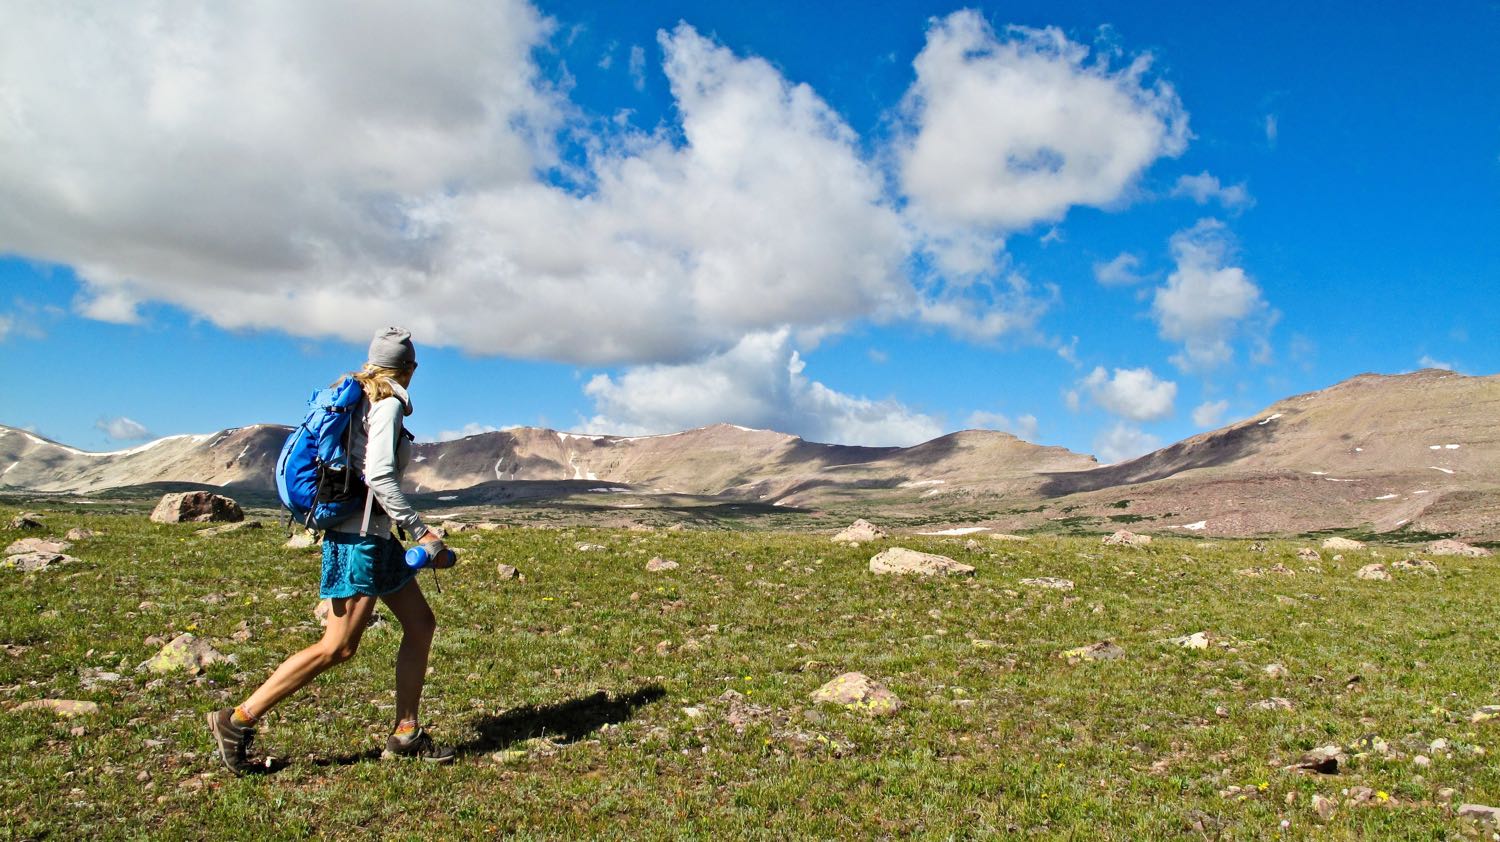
<point x="1486" y="714"/>
<point x="586" y="547"/>
<point x="659" y="564"/>
<point x="67" y="708"/>
<point x="901" y="561"/>
<point x="1422" y="760"/>
<point x="1274" y="671"/>
<point x="1324" y="807"/>
<point x="453" y="526"/>
<point x="1104" y="650"/>
<point x="858" y="691"/>
<point x="1196" y="640"/>
<point x="1325" y="760"/>
<point x="30" y="520"/>
<point x="860" y="531"/>
<point x="1126" y="538"/>
<point x="1447" y="794"/>
<point x="1373" y="572"/>
<point x="79" y="534"/>
<point x="506" y="571"/>
<point x="1309" y="554"/>
<point x="1414" y="565"/>
<point x="1342" y="544"/>
<point x="1050" y="582"/>
<point x="1004" y="536"/>
<point x="229" y="527"/>
<point x="1480" y="813"/>
<point x="1273" y="703"/>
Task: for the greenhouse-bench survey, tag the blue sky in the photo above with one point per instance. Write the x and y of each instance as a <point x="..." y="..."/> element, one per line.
<point x="1105" y="226"/>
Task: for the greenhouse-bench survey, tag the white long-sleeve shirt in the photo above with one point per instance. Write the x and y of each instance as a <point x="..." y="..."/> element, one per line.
<point x="378" y="445"/>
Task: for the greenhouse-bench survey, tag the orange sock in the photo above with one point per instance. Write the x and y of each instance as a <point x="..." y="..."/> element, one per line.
<point x="406" y="728"/>
<point x="242" y="717"/>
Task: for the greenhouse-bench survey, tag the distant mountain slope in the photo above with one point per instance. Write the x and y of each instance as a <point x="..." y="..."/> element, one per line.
<point x="1419" y="451"/>
<point x="243" y="456"/>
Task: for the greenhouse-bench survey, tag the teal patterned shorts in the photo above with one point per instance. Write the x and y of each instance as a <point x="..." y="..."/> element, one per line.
<point x="371" y="566"/>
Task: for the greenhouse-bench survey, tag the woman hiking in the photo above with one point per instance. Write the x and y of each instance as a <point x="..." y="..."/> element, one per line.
<point x="363" y="564"/>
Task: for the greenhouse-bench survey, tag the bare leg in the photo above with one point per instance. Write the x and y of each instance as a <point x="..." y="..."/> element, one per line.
<point x="417" y="627"/>
<point x="347" y="619"/>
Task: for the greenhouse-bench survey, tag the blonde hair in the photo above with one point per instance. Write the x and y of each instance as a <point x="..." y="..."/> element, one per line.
<point x="376" y="380"/>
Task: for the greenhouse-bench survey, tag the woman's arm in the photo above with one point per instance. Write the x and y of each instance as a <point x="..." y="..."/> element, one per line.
<point x="381" y="471"/>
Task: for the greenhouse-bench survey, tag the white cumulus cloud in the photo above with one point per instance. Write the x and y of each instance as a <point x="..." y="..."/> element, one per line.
<point x="473" y="428"/>
<point x="1133" y="393"/>
<point x="327" y="168"/>
<point x="1120" y="271"/>
<point x="122" y="429"/>
<point x="1124" y="441"/>
<point x="1206" y="301"/>
<point x="1210" y="413"/>
<point x="1008" y="129"/>
<point x="1204" y="188"/>
<point x="1021" y="426"/>
<point x="758" y="383"/>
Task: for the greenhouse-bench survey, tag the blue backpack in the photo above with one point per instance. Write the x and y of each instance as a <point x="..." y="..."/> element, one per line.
<point x="313" y="475"/>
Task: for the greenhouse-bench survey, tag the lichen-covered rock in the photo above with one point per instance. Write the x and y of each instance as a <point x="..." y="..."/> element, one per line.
<point x="1104" y="650"/>
<point x="857" y="691"/>
<point x="33" y="562"/>
<point x="30" y="520"/>
<point x="1373" y="572"/>
<point x="901" y="561"/>
<point x="859" y="532"/>
<point x="62" y="707"/>
<point x="78" y="533"/>
<point x="186" y="653"/>
<point x="1126" y="538"/>
<point x="658" y="564"/>
<point x="301" y="540"/>
<point x="197" y="507"/>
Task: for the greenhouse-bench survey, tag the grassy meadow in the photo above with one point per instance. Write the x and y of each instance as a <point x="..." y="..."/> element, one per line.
<point x="589" y="699"/>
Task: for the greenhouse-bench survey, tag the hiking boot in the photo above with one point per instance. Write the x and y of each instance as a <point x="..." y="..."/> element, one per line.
<point x="232" y="740"/>
<point x="419" y="745"/>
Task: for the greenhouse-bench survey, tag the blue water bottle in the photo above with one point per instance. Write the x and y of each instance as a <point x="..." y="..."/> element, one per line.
<point x="417" y="557"/>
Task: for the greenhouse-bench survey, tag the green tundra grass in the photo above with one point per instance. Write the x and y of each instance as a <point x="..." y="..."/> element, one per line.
<point x="588" y="701"/>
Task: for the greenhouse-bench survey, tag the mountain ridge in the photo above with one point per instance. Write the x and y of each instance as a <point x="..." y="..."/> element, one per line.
<point x="1408" y="443"/>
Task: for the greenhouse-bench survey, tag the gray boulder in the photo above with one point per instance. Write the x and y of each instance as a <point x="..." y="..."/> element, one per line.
<point x="197" y="507"/>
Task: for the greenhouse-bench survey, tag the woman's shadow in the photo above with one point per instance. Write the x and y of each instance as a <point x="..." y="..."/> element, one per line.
<point x="561" y="723"/>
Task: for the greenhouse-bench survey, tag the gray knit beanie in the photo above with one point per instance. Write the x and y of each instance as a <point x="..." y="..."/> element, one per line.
<point x="392" y="348"/>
